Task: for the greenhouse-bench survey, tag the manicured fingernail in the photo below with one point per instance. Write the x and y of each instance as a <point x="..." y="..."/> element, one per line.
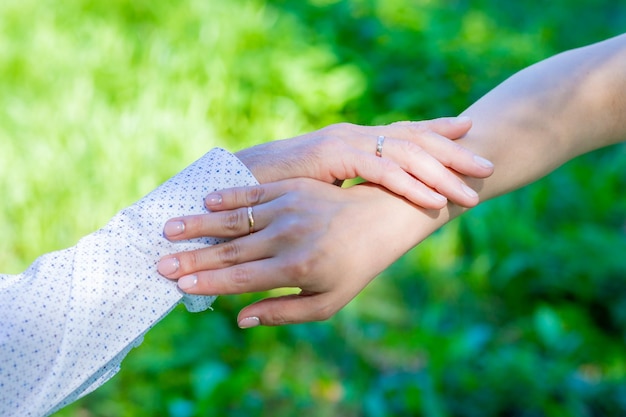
<point x="485" y="163"/>
<point x="437" y="196"/>
<point x="213" y="199"/>
<point x="469" y="191"/>
<point x="249" y="322"/>
<point x="173" y="228"/>
<point x="461" y="120"/>
<point x="187" y="282"/>
<point x="168" y="266"/>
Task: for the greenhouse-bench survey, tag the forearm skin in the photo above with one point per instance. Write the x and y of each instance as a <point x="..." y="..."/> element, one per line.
<point x="535" y="121"/>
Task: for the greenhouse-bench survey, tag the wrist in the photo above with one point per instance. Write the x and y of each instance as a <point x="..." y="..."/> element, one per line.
<point x="406" y="225"/>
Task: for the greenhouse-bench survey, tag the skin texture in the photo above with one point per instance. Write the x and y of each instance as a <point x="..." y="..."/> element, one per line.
<point x="331" y="242"/>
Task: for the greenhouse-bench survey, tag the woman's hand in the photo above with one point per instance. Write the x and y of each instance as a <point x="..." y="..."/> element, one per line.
<point x="308" y="234"/>
<point x="418" y="162"/>
<point x="327" y="241"/>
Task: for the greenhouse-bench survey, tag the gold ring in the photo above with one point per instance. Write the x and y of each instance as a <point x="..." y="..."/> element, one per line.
<point x="379" y="146"/>
<point x="251" y="220"/>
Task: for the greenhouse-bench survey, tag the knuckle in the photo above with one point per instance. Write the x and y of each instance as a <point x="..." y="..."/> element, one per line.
<point x="189" y="262"/>
<point x="453" y="154"/>
<point x="299" y="269"/>
<point x="338" y="129"/>
<point x="240" y="276"/>
<point x="387" y="174"/>
<point x="254" y="194"/>
<point x="228" y="253"/>
<point x="412" y="131"/>
<point x="412" y="148"/>
<point x="296" y="233"/>
<point x="232" y="220"/>
<point x="455" y="147"/>
<point x="416" y="128"/>
<point x="297" y="192"/>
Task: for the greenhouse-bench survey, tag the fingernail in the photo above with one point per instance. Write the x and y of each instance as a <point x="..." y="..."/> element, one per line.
<point x="438" y="196"/>
<point x="168" y="266"/>
<point x="249" y="322"/>
<point x="469" y="191"/>
<point x="213" y="199"/>
<point x="485" y="163"/>
<point x="187" y="282"/>
<point x="461" y="120"/>
<point x="173" y="228"/>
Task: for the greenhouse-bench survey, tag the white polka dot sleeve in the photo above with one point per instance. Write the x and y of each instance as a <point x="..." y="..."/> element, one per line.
<point x="69" y="320"/>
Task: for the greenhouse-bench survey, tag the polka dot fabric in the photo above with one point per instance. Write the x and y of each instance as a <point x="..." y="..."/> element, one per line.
<point x="69" y="320"/>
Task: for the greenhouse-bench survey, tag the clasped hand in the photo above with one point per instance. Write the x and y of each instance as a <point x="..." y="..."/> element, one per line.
<point x="329" y="242"/>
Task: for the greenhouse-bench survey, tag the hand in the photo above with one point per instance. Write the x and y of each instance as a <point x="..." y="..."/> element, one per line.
<point x="417" y="159"/>
<point x="327" y="241"/>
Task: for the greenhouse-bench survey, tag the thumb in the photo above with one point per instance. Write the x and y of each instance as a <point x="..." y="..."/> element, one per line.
<point x="288" y="309"/>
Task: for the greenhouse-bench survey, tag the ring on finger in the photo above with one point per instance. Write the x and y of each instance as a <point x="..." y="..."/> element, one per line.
<point x="379" y="146"/>
<point x="251" y="220"/>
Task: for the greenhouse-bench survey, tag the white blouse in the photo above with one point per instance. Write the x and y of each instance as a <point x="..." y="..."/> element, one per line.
<point x="68" y="321"/>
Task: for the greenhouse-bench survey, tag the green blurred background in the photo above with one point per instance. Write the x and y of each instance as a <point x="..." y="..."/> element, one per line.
<point x="517" y="309"/>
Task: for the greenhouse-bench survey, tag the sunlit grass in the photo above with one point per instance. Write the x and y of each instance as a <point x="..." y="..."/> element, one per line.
<point x="101" y="105"/>
<point x="101" y="101"/>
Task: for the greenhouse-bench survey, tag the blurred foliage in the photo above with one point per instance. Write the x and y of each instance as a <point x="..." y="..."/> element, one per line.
<point x="517" y="309"/>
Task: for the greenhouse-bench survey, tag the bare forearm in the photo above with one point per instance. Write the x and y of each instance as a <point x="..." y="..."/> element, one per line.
<point x="535" y="121"/>
<point x="549" y="113"/>
<point x="543" y="116"/>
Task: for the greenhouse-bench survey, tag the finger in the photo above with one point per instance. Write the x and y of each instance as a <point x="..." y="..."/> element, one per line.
<point x="216" y="257"/>
<point x="433" y="136"/>
<point x="455" y="156"/>
<point x="234" y="219"/>
<point x="390" y="175"/>
<point x="427" y="169"/>
<point x="237" y="279"/>
<point x="246" y="196"/>
<point x="290" y="309"/>
<point x="222" y="224"/>
<point x="432" y="171"/>
<point x="450" y="127"/>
